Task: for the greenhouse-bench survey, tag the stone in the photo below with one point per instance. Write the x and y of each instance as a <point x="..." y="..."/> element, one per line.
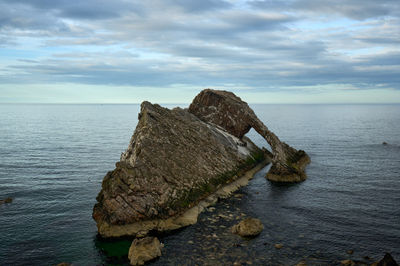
<point x="384" y="143"/>
<point x="347" y="263"/>
<point x="278" y="246"/>
<point x="248" y="227"/>
<point x="387" y="260"/>
<point x="7" y="200"/>
<point x="143" y="250"/>
<point x="226" y="110"/>
<point x="301" y="263"/>
<point x="174" y="161"/>
<point x="64" y="264"/>
<point x="350" y="251"/>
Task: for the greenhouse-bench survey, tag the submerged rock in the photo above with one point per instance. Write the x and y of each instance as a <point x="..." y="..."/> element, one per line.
<point x="249" y="227"/>
<point x="387" y="260"/>
<point x="7" y="200"/>
<point x="144" y="249"/>
<point x="347" y="263"/>
<point x="228" y="111"/>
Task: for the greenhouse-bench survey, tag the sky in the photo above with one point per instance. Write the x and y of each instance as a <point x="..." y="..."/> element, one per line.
<point x="166" y="51"/>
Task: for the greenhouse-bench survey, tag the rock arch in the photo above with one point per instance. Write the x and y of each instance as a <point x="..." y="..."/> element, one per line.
<point x="226" y="110"/>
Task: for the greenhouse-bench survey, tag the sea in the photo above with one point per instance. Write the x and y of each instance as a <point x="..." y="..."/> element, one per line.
<point x="53" y="158"/>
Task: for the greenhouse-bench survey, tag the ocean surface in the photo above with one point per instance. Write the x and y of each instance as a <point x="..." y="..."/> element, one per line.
<point x="54" y="157"/>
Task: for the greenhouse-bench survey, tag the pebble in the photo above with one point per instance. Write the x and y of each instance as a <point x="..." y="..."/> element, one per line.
<point x="278" y="246"/>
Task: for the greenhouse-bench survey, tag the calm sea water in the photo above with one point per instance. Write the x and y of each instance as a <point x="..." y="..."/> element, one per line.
<point x="54" y="157"/>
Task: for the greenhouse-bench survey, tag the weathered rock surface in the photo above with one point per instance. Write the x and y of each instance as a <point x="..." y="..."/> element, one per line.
<point x="228" y="111"/>
<point x="144" y="249"/>
<point x="249" y="227"/>
<point x="387" y="260"/>
<point x="173" y="162"/>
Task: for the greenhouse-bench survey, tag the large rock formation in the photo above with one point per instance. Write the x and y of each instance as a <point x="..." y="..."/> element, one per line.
<point x="178" y="160"/>
<point x="173" y="161"/>
<point x="225" y="109"/>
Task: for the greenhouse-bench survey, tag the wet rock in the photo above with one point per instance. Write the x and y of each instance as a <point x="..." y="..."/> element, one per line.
<point x="347" y="263"/>
<point x="7" y="200"/>
<point x="350" y="251"/>
<point x="278" y="246"/>
<point x="387" y="260"/>
<point x="301" y="263"/>
<point x="249" y="227"/>
<point x="64" y="264"/>
<point x="144" y="249"/>
<point x="384" y="143"/>
<point x="228" y="111"/>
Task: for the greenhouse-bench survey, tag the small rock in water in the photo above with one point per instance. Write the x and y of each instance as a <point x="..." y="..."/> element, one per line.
<point x="211" y="209"/>
<point x="64" y="264"/>
<point x="301" y="263"/>
<point x="387" y="260"/>
<point x="248" y="227"/>
<point x="384" y="143"/>
<point x="350" y="251"/>
<point x="7" y="200"/>
<point x="144" y="249"/>
<point x="347" y="263"/>
<point x="278" y="246"/>
<point x="190" y="242"/>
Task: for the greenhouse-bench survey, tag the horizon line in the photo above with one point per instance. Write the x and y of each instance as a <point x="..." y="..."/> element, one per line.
<point x="188" y="103"/>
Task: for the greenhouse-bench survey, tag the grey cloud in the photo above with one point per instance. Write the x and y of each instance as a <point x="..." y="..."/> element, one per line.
<point x="88" y="9"/>
<point x="200" y="6"/>
<point x="160" y="43"/>
<point x="355" y="9"/>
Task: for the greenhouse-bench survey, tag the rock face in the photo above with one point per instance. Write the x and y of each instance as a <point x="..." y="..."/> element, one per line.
<point x="144" y="249"/>
<point x="228" y="111"/>
<point x="249" y="227"/>
<point x="387" y="260"/>
<point x="173" y="161"/>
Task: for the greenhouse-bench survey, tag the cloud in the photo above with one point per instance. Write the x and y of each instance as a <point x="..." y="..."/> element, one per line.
<point x="354" y="9"/>
<point x="258" y="45"/>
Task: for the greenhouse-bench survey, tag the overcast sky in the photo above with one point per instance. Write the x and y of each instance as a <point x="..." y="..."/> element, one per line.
<point x="272" y="51"/>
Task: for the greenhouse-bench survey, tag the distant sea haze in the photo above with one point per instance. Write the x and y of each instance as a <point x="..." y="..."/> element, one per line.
<point x="54" y="157"/>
